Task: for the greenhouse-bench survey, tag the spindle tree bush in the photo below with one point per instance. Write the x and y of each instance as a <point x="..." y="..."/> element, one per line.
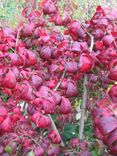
<point x="44" y="71"/>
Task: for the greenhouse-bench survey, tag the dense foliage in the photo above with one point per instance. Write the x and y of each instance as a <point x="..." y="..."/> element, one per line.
<point x="42" y="73"/>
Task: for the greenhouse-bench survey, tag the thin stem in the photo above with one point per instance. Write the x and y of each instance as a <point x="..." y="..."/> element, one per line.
<point x="11" y="47"/>
<point x="35" y="4"/>
<point x="84" y="100"/>
<point x="33" y="140"/>
<point x="24" y="106"/>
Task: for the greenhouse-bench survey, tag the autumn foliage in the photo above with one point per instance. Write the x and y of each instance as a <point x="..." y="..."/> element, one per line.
<point x="41" y="74"/>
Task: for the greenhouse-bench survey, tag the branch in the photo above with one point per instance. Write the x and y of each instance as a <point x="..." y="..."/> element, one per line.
<point x="35" y="4"/>
<point x="52" y="122"/>
<point x="84" y="100"/>
<point x="18" y="33"/>
<point x="92" y="42"/>
<point x="55" y="128"/>
<point x="84" y="96"/>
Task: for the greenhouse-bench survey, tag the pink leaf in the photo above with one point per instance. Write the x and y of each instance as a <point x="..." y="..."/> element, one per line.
<point x="65" y="106"/>
<point x="6" y="126"/>
<point x="113" y="93"/>
<point x="9" y="80"/>
<point x="43" y="122"/>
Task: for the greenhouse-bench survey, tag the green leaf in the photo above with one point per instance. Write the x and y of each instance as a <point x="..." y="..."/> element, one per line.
<point x="5" y="98"/>
<point x="54" y="116"/>
<point x="10" y="51"/>
<point x="34" y="47"/>
<point x="69" y="127"/>
<point x="94" y="153"/>
<point x="8" y="149"/>
<point x="69" y="132"/>
<point x="31" y="153"/>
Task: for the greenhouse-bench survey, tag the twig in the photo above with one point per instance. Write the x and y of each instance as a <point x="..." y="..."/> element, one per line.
<point x="59" y="83"/>
<point x="10" y="47"/>
<point x="33" y="140"/>
<point x="55" y="128"/>
<point x="18" y="33"/>
<point x="52" y="122"/>
<point x="24" y="106"/>
<point x="84" y="100"/>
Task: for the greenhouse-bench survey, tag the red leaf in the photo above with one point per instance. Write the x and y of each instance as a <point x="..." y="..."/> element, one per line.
<point x="43" y="92"/>
<point x="113" y="73"/>
<point x="26" y="93"/>
<point x="6" y="126"/>
<point x="85" y="63"/>
<point x="106" y="124"/>
<point x="49" y="106"/>
<point x="72" y="67"/>
<point x="113" y="93"/>
<point x="45" y="53"/>
<point x="65" y="106"/>
<point x="71" y="90"/>
<point x="49" y="7"/>
<point x="107" y="40"/>
<point x="14" y="58"/>
<point x="43" y="122"/>
<point x="57" y="98"/>
<point x="112" y="137"/>
<point x="32" y="58"/>
<point x="54" y="137"/>
<point x="37" y="81"/>
<point x="39" y="151"/>
<point x="75" y="142"/>
<point x="76" y="46"/>
<point x="3" y="111"/>
<point x="28" y="29"/>
<point x="113" y="150"/>
<point x="9" y="80"/>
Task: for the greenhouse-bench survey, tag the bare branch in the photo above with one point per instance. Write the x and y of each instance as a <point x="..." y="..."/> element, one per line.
<point x="33" y="140"/>
<point x="92" y="42"/>
<point x="55" y="128"/>
<point x="84" y="100"/>
<point x="84" y="96"/>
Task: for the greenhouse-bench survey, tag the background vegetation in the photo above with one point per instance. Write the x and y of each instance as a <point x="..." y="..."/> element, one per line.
<point x="10" y="10"/>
